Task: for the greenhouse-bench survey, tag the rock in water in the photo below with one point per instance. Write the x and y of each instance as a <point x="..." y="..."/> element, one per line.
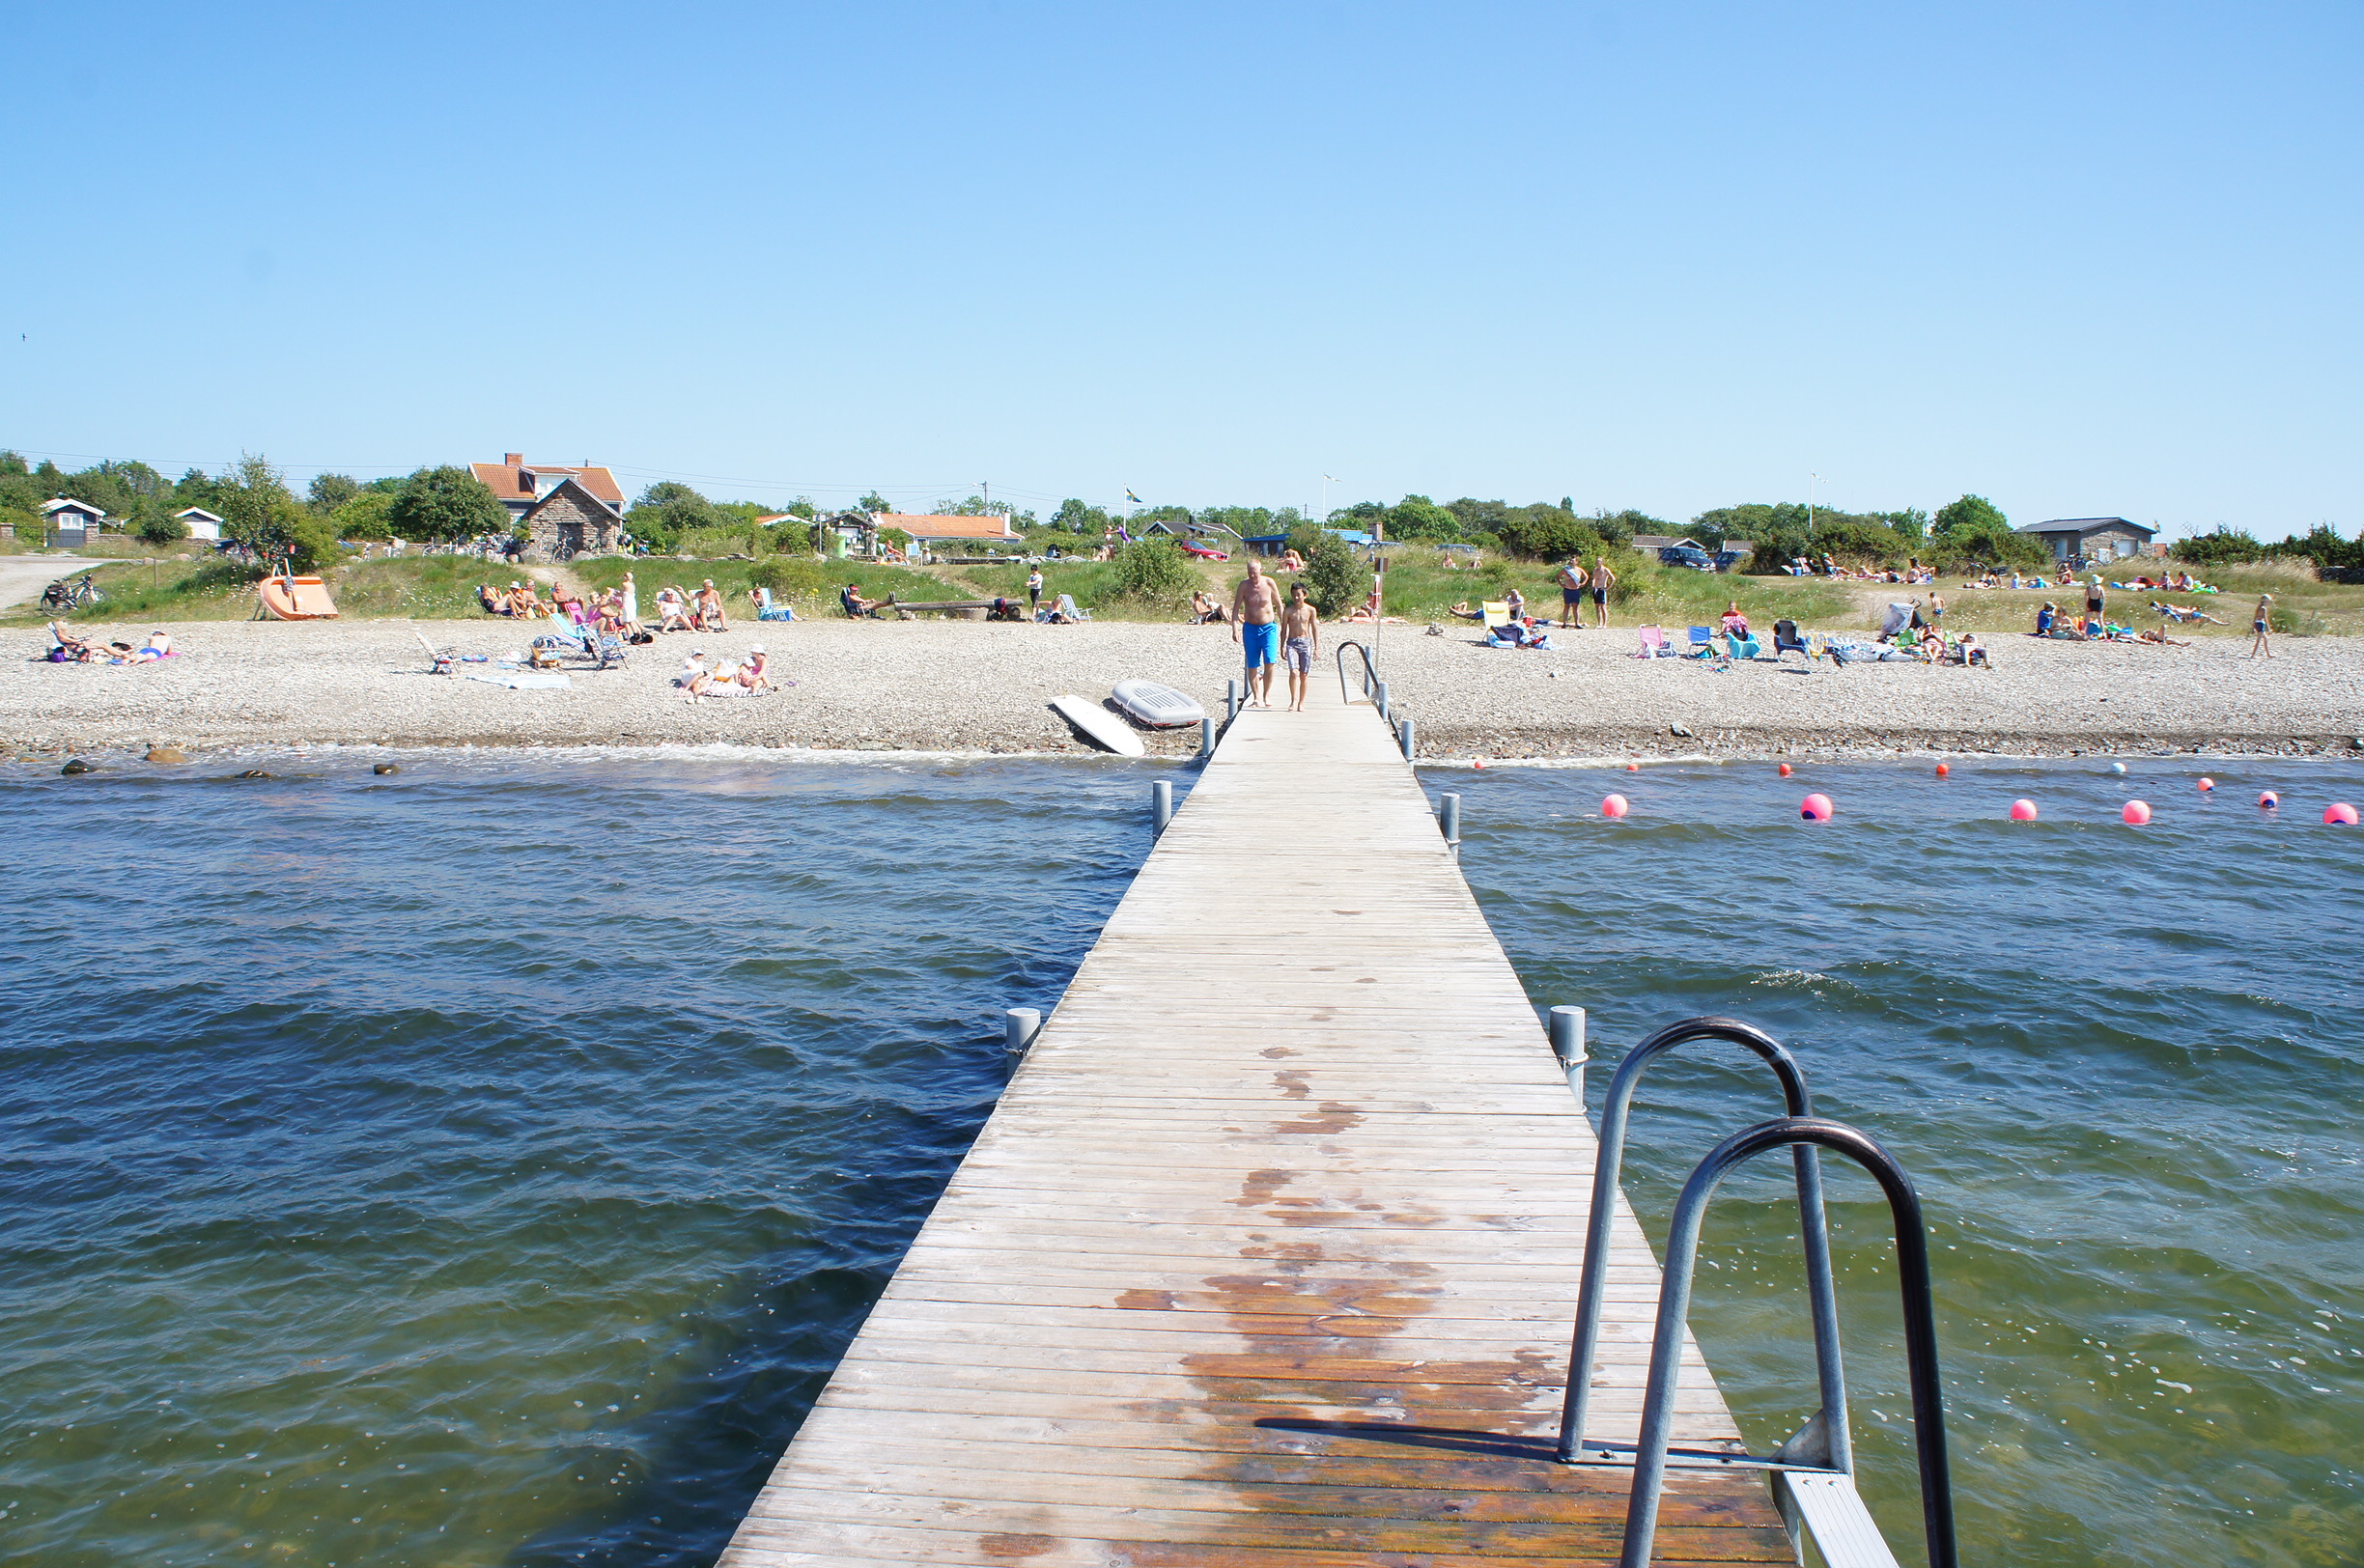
<point x="167" y="754"/>
<point x="77" y="765"/>
<point x="384" y="767"/>
<point x="253" y="772"/>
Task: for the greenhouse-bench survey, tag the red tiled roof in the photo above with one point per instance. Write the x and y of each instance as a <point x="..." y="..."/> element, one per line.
<point x="513" y="480"/>
<point x="941" y="525"/>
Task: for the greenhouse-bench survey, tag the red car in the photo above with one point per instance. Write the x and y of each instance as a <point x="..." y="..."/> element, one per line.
<point x="1206" y="552"/>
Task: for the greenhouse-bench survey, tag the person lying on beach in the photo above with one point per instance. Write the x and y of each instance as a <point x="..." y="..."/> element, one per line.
<point x="1463" y="610"/>
<point x="68" y="649"/>
<point x="494" y="604"/>
<point x="2165" y="641"/>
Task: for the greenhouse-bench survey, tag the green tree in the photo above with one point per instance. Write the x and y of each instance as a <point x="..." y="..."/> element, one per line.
<point x="1416" y="516"/>
<point x="874" y="503"/>
<point x="1970" y="513"/>
<point x="1153" y="572"/>
<point x="667" y="510"/>
<point x="2225" y="547"/>
<point x="2323" y="545"/>
<point x="328" y="491"/>
<point x="257" y="510"/>
<point x="1076" y="517"/>
<point x="160" y="527"/>
<point x="1545" y="533"/>
<point x="196" y="488"/>
<point x="1973" y="529"/>
<point x="364" y="516"/>
<point x="1333" y="578"/>
<point x="445" y="506"/>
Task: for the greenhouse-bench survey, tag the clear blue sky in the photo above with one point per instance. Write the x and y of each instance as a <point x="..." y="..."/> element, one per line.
<point x="2082" y="259"/>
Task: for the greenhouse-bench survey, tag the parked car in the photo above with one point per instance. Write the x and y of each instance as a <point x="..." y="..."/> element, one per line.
<point x="1204" y="551"/>
<point x="1698" y="560"/>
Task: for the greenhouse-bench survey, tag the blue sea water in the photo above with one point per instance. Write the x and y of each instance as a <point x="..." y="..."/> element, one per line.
<point x="486" y="1163"/>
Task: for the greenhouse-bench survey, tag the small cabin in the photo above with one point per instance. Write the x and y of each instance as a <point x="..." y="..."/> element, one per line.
<point x="201" y="524"/>
<point x="2091" y="538"/>
<point x="72" y="524"/>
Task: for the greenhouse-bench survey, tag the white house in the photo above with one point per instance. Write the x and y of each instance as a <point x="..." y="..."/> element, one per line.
<point x="201" y="524"/>
<point x="70" y="522"/>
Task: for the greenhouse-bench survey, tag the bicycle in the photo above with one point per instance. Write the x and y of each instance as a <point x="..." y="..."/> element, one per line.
<point x="62" y="597"/>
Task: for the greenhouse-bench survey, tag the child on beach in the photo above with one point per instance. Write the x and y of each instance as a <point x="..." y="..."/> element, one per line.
<point x="2261" y="646"/>
<point x="1301" y="642"/>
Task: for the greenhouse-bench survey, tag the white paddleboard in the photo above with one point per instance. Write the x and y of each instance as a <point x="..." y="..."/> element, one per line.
<point x="1098" y="725"/>
<point x="1160" y="707"/>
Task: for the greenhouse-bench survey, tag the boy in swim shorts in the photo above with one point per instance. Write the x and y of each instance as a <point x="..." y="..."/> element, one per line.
<point x="1301" y="627"/>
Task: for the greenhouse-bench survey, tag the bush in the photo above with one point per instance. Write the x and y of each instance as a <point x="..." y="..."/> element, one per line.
<point x="160" y="528"/>
<point x="1153" y="572"/>
<point x="2225" y="547"/>
<point x="445" y="505"/>
<point x="1332" y="579"/>
<point x="791" y="576"/>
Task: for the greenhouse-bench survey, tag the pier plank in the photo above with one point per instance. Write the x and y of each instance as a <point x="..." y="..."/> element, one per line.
<point x="1268" y="1254"/>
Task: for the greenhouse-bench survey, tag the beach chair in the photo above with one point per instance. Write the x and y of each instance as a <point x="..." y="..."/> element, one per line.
<point x="1067" y="608"/>
<point x="1653" y="643"/>
<point x="1702" y="642"/>
<point x="1496" y="613"/>
<point x="1786" y="639"/>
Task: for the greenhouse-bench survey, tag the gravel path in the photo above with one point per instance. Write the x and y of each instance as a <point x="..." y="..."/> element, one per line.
<point x="962" y="685"/>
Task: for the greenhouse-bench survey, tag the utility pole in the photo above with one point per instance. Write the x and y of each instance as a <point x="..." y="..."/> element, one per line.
<point x="1810" y="490"/>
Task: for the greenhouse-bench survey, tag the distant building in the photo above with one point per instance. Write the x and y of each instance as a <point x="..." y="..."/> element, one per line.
<point x="70" y="522"/>
<point x="520" y="485"/>
<point x="567" y="520"/>
<point x="847" y="533"/>
<point x="1652" y="543"/>
<point x="201" y="524"/>
<point x="2093" y="539"/>
<point x="933" y="527"/>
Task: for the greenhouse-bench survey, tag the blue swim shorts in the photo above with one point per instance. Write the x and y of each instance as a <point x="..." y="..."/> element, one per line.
<point x="1262" y="642"/>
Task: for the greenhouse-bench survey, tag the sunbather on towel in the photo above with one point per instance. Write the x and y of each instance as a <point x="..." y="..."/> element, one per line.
<point x="756" y="673"/>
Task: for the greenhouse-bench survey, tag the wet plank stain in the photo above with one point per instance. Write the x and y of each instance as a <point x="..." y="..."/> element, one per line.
<point x="1182" y="1309"/>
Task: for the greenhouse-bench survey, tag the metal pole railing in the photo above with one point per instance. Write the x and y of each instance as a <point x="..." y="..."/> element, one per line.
<point x="1567" y="1042"/>
<point x="1814" y="1232"/>
<point x="1370" y="671"/>
<point x="1675" y="1306"/>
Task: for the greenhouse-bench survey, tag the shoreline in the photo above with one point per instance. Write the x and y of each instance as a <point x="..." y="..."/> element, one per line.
<point x="973" y="690"/>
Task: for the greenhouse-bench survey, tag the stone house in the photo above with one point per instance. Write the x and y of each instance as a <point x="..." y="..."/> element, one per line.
<point x="522" y="486"/>
<point x="568" y="520"/>
<point x="2090" y="539"/>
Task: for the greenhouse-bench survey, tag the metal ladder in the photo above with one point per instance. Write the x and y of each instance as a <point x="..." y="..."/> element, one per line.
<point x="1812" y="1473"/>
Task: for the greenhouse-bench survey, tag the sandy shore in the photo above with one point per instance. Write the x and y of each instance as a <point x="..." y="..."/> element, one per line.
<point x="958" y="685"/>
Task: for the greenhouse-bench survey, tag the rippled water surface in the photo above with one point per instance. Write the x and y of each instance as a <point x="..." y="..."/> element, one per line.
<point x="486" y="1164"/>
<point x="2121" y="1063"/>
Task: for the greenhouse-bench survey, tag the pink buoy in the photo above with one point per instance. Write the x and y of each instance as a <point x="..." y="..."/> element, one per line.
<point x="1614" y="805"/>
<point x="1477" y="762"/>
<point x="1633" y="766"/>
<point x="2270" y="800"/>
<point x="1784" y="769"/>
<point x="2339" y="814"/>
<point x="1816" y="807"/>
<point x="2023" y="810"/>
<point x="2136" y="812"/>
<point x="2207" y="784"/>
<point x="1944" y="770"/>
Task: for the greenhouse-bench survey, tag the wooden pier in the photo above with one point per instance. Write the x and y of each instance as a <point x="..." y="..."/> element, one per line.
<point x="1269" y="1253"/>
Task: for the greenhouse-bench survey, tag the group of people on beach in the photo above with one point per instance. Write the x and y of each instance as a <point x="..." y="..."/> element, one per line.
<point x="725" y="677"/>
<point x="64" y="648"/>
<point x="614" y="612"/>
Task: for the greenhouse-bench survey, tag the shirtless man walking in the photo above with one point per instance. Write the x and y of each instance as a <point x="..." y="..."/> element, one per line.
<point x="1300" y="644"/>
<point x="1255" y="614"/>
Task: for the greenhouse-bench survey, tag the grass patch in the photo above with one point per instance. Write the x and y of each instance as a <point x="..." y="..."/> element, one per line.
<point x="811" y="586"/>
<point x="425" y="587"/>
<point x="163" y="590"/>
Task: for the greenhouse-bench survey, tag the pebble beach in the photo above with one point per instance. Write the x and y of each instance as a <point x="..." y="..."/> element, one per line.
<point x="946" y="686"/>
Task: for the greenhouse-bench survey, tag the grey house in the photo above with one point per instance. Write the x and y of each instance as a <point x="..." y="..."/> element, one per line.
<point x="2095" y="539"/>
<point x="72" y="524"/>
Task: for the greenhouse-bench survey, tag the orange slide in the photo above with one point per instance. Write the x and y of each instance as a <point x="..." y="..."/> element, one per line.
<point x="297" y="598"/>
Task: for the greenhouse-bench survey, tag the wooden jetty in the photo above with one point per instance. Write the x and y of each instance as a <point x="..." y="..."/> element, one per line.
<point x="1269" y="1252"/>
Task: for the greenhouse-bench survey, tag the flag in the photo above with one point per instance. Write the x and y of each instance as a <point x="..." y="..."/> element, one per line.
<point x="1135" y="499"/>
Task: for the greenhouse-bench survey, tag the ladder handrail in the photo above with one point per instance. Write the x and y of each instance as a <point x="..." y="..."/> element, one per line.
<point x="1836" y="1449"/>
<point x="1370" y="670"/>
<point x="1673" y="1310"/>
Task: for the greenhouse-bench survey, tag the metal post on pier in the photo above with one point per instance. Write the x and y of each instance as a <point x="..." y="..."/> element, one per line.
<point x="1567" y="1033"/>
<point x="1403" y="733"/>
<point x="1449" y="818"/>
<point x="1019" y="1027"/>
<point x="1379" y="695"/>
<point x="1206" y="738"/>
<point x="1230" y="701"/>
<point x="1160" y="804"/>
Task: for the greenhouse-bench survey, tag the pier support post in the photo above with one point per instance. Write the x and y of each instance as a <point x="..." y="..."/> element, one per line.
<point x="1206" y="738"/>
<point x="1230" y="701"/>
<point x="1160" y="804"/>
<point x="1019" y="1027"/>
<point x="1379" y="695"/>
<point x="1567" y="1042"/>
<point x="1448" y="819"/>
<point x="1403" y="733"/>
